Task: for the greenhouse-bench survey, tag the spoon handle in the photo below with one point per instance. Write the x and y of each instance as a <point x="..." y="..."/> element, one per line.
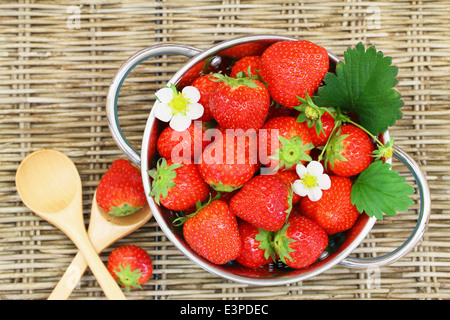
<point x="70" y="279"/>
<point x="98" y="268"/>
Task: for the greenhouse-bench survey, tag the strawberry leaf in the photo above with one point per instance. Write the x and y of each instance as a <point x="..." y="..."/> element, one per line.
<point x="364" y="84"/>
<point x="123" y="210"/>
<point x="128" y="278"/>
<point x="163" y="176"/>
<point x="291" y="152"/>
<point x="380" y="190"/>
<point x="281" y="244"/>
<point x="266" y="243"/>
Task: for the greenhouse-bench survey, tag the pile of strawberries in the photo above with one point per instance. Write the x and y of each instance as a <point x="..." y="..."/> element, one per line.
<point x="231" y="180"/>
<point x="230" y="175"/>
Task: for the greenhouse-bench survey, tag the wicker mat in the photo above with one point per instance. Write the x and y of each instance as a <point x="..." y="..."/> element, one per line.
<point x="57" y="59"/>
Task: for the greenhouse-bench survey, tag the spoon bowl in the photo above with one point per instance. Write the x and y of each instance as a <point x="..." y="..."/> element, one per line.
<point x="49" y="184"/>
<point x="50" y="189"/>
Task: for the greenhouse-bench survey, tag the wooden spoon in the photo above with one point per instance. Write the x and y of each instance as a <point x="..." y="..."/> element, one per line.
<point x="103" y="231"/>
<point x="49" y="184"/>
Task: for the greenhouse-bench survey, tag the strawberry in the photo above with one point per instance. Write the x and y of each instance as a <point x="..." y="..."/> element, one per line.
<point x="212" y="232"/>
<point x="288" y="178"/>
<point x="205" y="84"/>
<point x="239" y="103"/>
<point x="265" y="201"/>
<point x="242" y="50"/>
<point x="229" y="161"/>
<point x="300" y="242"/>
<point x="248" y="65"/>
<point x="321" y="139"/>
<point x="256" y="250"/>
<point x="291" y="68"/>
<point x="130" y="266"/>
<point x="349" y="151"/>
<point x="288" y="143"/>
<point x="188" y="144"/>
<point x="120" y="191"/>
<point x="334" y="211"/>
<point x="177" y="186"/>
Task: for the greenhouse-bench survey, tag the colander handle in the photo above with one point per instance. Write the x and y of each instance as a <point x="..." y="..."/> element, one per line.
<point x="424" y="214"/>
<point x="119" y="78"/>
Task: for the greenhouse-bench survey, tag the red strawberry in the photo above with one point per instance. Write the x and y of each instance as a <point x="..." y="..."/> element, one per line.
<point x="130" y="266"/>
<point x="300" y="242"/>
<point x="256" y="250"/>
<point x="120" y="191"/>
<point x="205" y="84"/>
<point x="321" y="139"/>
<point x="244" y="49"/>
<point x="177" y="186"/>
<point x="229" y="161"/>
<point x="188" y="144"/>
<point x="334" y="211"/>
<point x="288" y="143"/>
<point x="244" y="65"/>
<point x="265" y="201"/>
<point x="239" y="103"/>
<point x="212" y="232"/>
<point x="289" y="177"/>
<point x="291" y="68"/>
<point x="349" y="151"/>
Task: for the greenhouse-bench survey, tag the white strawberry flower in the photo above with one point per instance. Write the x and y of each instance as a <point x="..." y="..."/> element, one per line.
<point x="312" y="181"/>
<point x="180" y="108"/>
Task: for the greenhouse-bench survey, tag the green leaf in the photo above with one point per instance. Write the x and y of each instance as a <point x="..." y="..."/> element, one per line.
<point x="364" y="84"/>
<point x="380" y="190"/>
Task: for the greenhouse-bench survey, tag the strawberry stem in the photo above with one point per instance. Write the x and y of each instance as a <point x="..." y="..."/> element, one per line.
<point x="266" y="243"/>
<point x="178" y="222"/>
<point x="383" y="150"/>
<point x="123" y="210"/>
<point x="162" y="176"/>
<point x="337" y="125"/>
<point x="311" y="113"/>
<point x="291" y="152"/>
<point x="281" y="244"/>
<point x="128" y="278"/>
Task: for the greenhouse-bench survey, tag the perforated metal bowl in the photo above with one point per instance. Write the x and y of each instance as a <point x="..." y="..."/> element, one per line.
<point x="272" y="274"/>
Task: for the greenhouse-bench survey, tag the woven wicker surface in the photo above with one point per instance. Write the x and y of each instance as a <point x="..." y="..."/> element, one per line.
<point x="56" y="62"/>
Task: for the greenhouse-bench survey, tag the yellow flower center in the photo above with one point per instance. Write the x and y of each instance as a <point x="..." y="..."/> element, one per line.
<point x="179" y="104"/>
<point x="309" y="181"/>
